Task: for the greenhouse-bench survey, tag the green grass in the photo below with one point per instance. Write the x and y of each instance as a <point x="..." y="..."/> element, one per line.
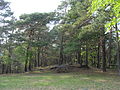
<point x="54" y="81"/>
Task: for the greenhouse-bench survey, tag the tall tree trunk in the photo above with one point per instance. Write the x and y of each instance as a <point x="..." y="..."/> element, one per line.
<point x="98" y="55"/>
<point x="3" y="68"/>
<point x="79" y="56"/>
<point x="30" y="59"/>
<point x="86" y="62"/>
<point x="35" y="62"/>
<point x="42" y="57"/>
<point x="10" y="68"/>
<point x="30" y="64"/>
<point x="26" y="61"/>
<point x="110" y="48"/>
<point x="103" y="54"/>
<point x="69" y="61"/>
<point x="61" y="50"/>
<point x="6" y="69"/>
<point x="10" y="59"/>
<point x="118" y="49"/>
<point x="38" y="56"/>
<point x="102" y="39"/>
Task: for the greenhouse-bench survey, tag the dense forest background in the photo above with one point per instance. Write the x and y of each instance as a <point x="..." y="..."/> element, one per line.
<point x="84" y="32"/>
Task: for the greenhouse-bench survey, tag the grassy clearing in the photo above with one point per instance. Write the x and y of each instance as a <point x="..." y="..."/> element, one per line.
<point x="63" y="81"/>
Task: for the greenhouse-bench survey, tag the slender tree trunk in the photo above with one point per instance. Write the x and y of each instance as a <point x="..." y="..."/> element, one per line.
<point x="86" y="55"/>
<point x="42" y="57"/>
<point x="7" y="69"/>
<point x="30" y="64"/>
<point x="94" y="63"/>
<point x="110" y="48"/>
<point x="98" y="56"/>
<point x="35" y="62"/>
<point x="102" y="39"/>
<point x="30" y="59"/>
<point x="26" y="61"/>
<point x="69" y="59"/>
<point x="31" y="33"/>
<point x="26" y="67"/>
<point x="38" y="57"/>
<point x="3" y="68"/>
<point x="103" y="54"/>
<point x="10" y="59"/>
<point x="79" y="56"/>
<point x="65" y="59"/>
<point x="10" y="68"/>
<point x="61" y="50"/>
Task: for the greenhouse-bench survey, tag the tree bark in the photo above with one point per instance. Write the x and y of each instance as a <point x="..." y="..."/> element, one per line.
<point x="30" y="64"/>
<point x="98" y="56"/>
<point x="110" y="48"/>
<point x="79" y="56"/>
<point x="86" y="62"/>
<point x="38" y="56"/>
<point x="3" y="68"/>
<point x="103" y="55"/>
<point x="26" y="61"/>
<point x="61" y="50"/>
<point x="35" y="62"/>
<point x="118" y="49"/>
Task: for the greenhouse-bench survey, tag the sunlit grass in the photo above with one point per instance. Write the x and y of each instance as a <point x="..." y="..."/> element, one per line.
<point x="54" y="81"/>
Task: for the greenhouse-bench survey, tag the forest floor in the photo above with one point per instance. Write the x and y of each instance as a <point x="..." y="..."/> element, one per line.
<point x="78" y="79"/>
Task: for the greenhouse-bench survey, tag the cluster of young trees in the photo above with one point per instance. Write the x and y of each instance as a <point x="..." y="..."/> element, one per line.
<point x="85" y="32"/>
